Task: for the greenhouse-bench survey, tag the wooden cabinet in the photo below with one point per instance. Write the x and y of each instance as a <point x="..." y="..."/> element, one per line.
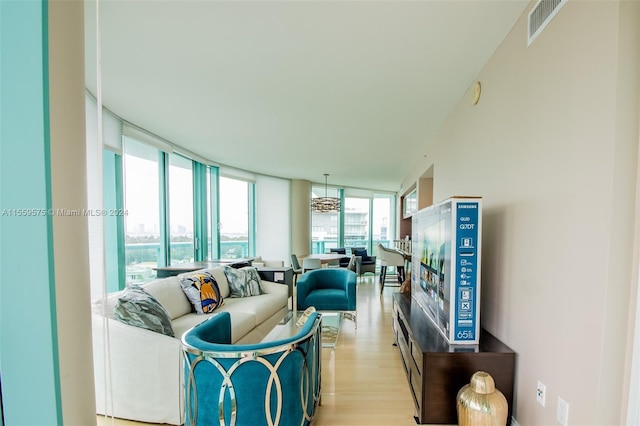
<point x="436" y="370"/>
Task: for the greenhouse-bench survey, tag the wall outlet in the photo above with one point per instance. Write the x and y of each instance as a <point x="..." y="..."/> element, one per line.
<point x="541" y="393"/>
<point x="562" y="414"/>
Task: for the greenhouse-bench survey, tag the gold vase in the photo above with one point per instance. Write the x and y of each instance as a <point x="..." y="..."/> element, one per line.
<point x="480" y="404"/>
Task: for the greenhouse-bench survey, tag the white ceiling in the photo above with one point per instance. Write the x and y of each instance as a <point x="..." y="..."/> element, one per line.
<point x="295" y="89"/>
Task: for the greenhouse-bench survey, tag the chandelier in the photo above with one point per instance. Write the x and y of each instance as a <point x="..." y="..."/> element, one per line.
<point x="325" y="204"/>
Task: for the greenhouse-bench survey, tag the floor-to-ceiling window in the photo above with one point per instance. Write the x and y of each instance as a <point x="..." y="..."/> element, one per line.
<point x="234" y="223"/>
<point x="383" y="221"/>
<point x="181" y="214"/>
<point x="356" y="222"/>
<point x="365" y="219"/>
<point x="174" y="202"/>
<point x="325" y="227"/>
<point x="142" y="203"/>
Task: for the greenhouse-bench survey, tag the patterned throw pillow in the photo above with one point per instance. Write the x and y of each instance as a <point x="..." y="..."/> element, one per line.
<point x="202" y="291"/>
<point x="243" y="282"/>
<point x="138" y="308"/>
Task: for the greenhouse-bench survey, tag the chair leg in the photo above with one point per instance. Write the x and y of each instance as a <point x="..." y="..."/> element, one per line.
<point x="401" y="276"/>
<point x="383" y="274"/>
<point x="383" y="277"/>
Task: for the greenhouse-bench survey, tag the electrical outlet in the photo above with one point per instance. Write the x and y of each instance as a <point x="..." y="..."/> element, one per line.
<point x="541" y="393"/>
<point x="562" y="414"/>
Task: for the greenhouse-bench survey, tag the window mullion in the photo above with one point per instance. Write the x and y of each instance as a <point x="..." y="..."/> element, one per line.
<point x="215" y="211"/>
<point x="200" y="211"/>
<point x="163" y="188"/>
<point x="252" y="220"/>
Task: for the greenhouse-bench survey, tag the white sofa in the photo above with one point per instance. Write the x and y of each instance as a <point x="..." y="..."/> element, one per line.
<point x="146" y="368"/>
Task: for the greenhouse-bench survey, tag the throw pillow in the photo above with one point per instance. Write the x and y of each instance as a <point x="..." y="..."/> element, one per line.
<point x="305" y="316"/>
<point x="361" y="253"/>
<point x="243" y="282"/>
<point x="202" y="291"/>
<point x="138" y="308"/>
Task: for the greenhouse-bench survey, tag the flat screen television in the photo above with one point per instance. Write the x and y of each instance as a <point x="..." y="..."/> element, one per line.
<point x="445" y="278"/>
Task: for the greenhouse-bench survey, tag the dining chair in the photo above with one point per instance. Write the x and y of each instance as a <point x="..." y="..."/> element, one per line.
<point x="367" y="263"/>
<point x="309" y="264"/>
<point x="390" y="257"/>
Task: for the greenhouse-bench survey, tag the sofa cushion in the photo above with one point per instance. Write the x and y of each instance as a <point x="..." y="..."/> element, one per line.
<point x="202" y="291"/>
<point x="139" y="308"/>
<point x="241" y="323"/>
<point x="262" y="306"/>
<point x="169" y="293"/>
<point x="221" y="279"/>
<point x="244" y="282"/>
<point x="185" y="322"/>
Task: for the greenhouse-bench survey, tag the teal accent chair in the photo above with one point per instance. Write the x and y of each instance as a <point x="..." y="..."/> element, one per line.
<point x="269" y="383"/>
<point x="328" y="289"/>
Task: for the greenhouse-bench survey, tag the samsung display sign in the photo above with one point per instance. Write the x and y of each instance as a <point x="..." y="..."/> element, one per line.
<point x="445" y="277"/>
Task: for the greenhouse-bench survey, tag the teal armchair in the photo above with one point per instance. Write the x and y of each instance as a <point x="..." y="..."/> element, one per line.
<point x="328" y="289"/>
<point x="269" y="383"/>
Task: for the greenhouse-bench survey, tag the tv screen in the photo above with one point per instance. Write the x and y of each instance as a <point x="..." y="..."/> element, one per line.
<point x="433" y="238"/>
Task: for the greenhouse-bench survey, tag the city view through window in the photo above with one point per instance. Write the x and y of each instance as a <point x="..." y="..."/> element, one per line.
<point x="366" y="220"/>
<point x="142" y="195"/>
<point x="362" y="217"/>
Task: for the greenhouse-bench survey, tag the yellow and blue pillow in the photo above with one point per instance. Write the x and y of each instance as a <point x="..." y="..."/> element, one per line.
<point x="202" y="291"/>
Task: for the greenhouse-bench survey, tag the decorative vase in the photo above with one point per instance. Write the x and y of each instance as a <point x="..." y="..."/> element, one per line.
<point x="480" y="404"/>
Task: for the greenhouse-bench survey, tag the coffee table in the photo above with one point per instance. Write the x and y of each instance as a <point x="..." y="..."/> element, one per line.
<point x="287" y="327"/>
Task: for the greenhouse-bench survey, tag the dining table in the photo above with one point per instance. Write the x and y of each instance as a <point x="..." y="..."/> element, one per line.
<point x="324" y="257"/>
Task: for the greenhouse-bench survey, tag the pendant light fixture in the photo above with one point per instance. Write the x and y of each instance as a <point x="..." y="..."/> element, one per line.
<point x="325" y="204"/>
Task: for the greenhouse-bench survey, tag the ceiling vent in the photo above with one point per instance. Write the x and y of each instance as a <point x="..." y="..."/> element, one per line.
<point x="541" y="14"/>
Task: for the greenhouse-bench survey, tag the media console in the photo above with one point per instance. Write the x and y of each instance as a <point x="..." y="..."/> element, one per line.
<point x="437" y="370"/>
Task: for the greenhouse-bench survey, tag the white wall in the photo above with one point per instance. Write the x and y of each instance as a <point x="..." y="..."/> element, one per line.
<point x="300" y="217"/>
<point x="552" y="148"/>
<point x="273" y="220"/>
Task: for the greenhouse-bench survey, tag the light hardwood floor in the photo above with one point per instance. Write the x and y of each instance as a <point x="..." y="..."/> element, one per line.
<point x="363" y="381"/>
